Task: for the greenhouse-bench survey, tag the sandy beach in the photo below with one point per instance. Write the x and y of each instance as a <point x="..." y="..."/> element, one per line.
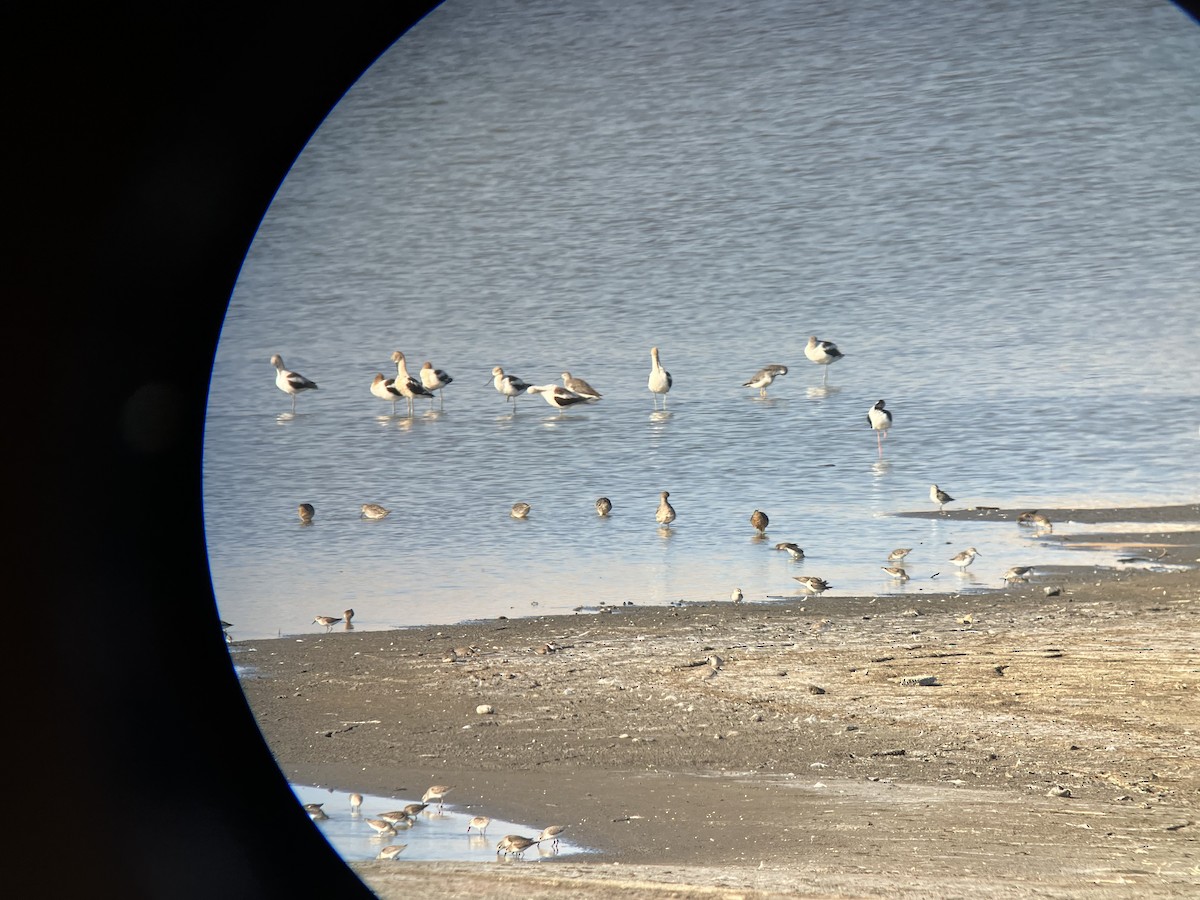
<point x="1035" y="741"/>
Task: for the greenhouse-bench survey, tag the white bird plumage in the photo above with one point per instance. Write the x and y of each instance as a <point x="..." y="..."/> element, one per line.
<point x="823" y="353"/>
<point x="290" y="382"/>
<point x="660" y="379"/>
<point x="764" y="376"/>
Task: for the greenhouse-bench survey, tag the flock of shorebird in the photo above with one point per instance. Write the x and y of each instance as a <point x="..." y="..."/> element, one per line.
<point x="575" y="391"/>
<point x="391" y="823"/>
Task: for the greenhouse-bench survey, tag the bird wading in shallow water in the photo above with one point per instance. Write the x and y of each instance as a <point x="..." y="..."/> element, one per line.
<point x="509" y="385"/>
<point x="791" y="549"/>
<point x="372" y="511"/>
<point x="520" y="510"/>
<point x="759" y="520"/>
<point x="823" y="353"/>
<point x="385" y="389"/>
<point x="896" y="572"/>
<point x="899" y="553"/>
<point x="764" y="376"/>
<point x="964" y="559"/>
<point x="306" y="513"/>
<point x="557" y="395"/>
<point x="660" y="379"/>
<point x="580" y="387"/>
<point x="603" y="506"/>
<point x="665" y="514"/>
<point x="406" y="385"/>
<point x="290" y="382"/>
<point x="812" y="583"/>
<point x="433" y="380"/>
<point x="880" y="420"/>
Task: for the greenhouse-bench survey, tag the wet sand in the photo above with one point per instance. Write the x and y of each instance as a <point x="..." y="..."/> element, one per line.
<point x="999" y="745"/>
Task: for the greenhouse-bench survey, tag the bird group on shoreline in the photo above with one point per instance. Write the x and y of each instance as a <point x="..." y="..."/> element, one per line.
<point x="390" y="823"/>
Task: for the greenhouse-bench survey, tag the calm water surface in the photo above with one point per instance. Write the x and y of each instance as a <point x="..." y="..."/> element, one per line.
<point x="990" y="207"/>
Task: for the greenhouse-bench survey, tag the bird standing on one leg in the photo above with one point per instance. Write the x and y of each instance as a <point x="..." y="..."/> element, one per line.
<point x="290" y="382"/>
<point x="823" y="353"/>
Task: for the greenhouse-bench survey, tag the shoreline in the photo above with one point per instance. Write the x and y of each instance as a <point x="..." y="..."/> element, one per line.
<point x="835" y="742"/>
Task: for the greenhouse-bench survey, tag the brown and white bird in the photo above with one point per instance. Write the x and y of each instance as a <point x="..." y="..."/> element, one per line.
<point x="1036" y="519"/>
<point x="763" y="378"/>
<point x="896" y="572"/>
<point x="290" y="382"/>
<point x="964" y="559"/>
<point x="479" y="823"/>
<point x="381" y="828"/>
<point x="1018" y="573"/>
<point x="391" y="851"/>
<point x="580" y="387"/>
<point x="792" y="549"/>
<point x="315" y="812"/>
<point x="514" y="844"/>
<point x="737" y="596"/>
<point x="327" y="621"/>
<point x="557" y="395"/>
<point x="660" y="379"/>
<point x="372" y="511"/>
<point x="433" y="380"/>
<point x="759" y="520"/>
<point x="509" y="385"/>
<point x="397" y="818"/>
<point x="940" y="497"/>
<point x="823" y="353"/>
<point x="356" y="802"/>
<point x="813" y="584"/>
<point x="603" y="506"/>
<point x="437" y="792"/>
<point x="520" y="510"/>
<point x="306" y="513"/>
<point x="551" y="833"/>
<point x="405" y="384"/>
<point x="665" y="514"/>
<point x="898" y="554"/>
<point x="385" y="389"/>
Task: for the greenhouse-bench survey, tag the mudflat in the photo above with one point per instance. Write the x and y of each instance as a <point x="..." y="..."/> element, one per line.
<point x="1043" y="740"/>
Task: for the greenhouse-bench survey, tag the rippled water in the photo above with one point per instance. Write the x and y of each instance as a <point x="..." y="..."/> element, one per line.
<point x="990" y="207"/>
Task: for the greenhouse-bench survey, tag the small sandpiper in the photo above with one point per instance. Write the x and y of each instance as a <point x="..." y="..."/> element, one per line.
<point x="520" y="510"/>
<point x="899" y="553"/>
<point x="1018" y="573"/>
<point x="792" y="550"/>
<point x="479" y="823"/>
<point x="964" y="559"/>
<point x="437" y="792"/>
<point x="391" y="851"/>
<point x="315" y="812"/>
<point x="356" y="804"/>
<point x="812" y="583"/>
<point x="603" y="506"/>
<point x="666" y="512"/>
<point x="759" y="520"/>
<point x="381" y="828"/>
<point x="736" y="596"/>
<point x="514" y="844"/>
<point x="306" y="512"/>
<point x="413" y="809"/>
<point x="397" y="818"/>
<point x="372" y="511"/>
<point x="896" y="572"/>
<point x="551" y="833"/>
<point x="940" y="497"/>
<point x="1036" y="519"/>
<point x="327" y="621"/>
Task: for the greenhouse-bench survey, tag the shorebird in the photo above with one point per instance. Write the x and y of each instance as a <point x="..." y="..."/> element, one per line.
<point x="1018" y="573"/>
<point x="879" y="419"/>
<point x="666" y="512"/>
<point x="372" y="511"/>
<point x="434" y="380"/>
<point x="899" y="553"/>
<point x="964" y="559"/>
<point x="509" y="385"/>
<point x="580" y="387"/>
<point x="479" y="823"/>
<point x="603" y="506"/>
<point x="737" y="595"/>
<point x="381" y="828"/>
<point x="940" y="497"/>
<point x="896" y="572"/>
<point x="519" y="510"/>
<point x="764" y="376"/>
<point x="514" y="844"/>
<point x="290" y="382"/>
<point x="792" y="550"/>
<point x="551" y="833"/>
<point x="356" y="804"/>
<point x="557" y="395"/>
<point x="385" y="389"/>
<point x="391" y="851"/>
<point x="347" y="615"/>
<point x="306" y="513"/>
<point x="436" y="792"/>
<point x="327" y="621"/>
<point x="823" y="353"/>
<point x="406" y="385"/>
<point x="413" y="809"/>
<point x="812" y="583"/>
<point x="315" y="812"/>
<point x="1036" y="519"/>
<point x="397" y="818"/>
<point x="759" y="520"/>
<point x="660" y="379"/>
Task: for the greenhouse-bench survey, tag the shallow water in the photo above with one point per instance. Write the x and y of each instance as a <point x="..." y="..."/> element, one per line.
<point x="992" y="211"/>
<point x="437" y="836"/>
